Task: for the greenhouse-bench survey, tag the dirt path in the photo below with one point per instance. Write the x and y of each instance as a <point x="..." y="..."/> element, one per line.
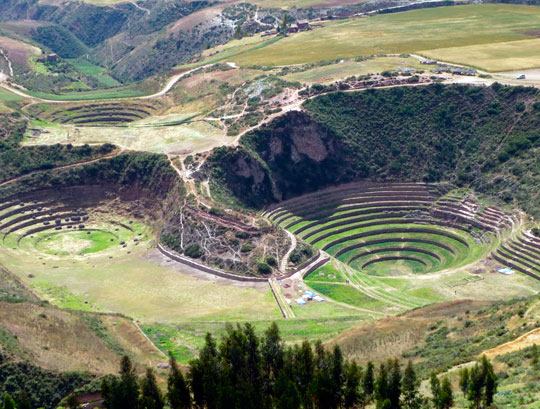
<point x="522" y="342"/>
<point x="171" y="83"/>
<point x="285" y="259"/>
<point x="71" y="165"/>
<point x="140" y="8"/>
<point x="10" y="67"/>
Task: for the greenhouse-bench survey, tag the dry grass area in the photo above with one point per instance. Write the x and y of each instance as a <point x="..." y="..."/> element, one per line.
<point x="132" y="340"/>
<point x="197" y="136"/>
<point x="373" y="340"/>
<point x="506" y="56"/>
<point x="440" y="27"/>
<point x="18" y="52"/>
<point x="56" y="339"/>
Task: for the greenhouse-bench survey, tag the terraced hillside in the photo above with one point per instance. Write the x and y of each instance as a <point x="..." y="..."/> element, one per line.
<point x="392" y="228"/>
<point x="111" y="113"/>
<point x="522" y="253"/>
<point x="63" y="223"/>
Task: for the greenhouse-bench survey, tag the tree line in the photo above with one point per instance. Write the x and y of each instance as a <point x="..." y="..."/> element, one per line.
<point x="246" y="371"/>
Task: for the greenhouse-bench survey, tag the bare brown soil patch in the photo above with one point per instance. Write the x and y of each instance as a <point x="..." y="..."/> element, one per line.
<point x="17" y="51"/>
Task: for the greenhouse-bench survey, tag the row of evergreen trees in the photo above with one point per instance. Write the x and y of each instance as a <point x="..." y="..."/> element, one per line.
<point x="245" y="371"/>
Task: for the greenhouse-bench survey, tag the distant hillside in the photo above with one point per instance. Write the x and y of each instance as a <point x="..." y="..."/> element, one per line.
<point x="486" y="138"/>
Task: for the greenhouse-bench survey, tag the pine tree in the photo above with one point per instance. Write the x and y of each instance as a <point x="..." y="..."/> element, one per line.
<point x="446" y="396"/>
<point x="272" y="352"/>
<point x="203" y="375"/>
<point x="128" y="388"/>
<point x="490" y="381"/>
<point x="338" y="376"/>
<point x="287" y="395"/>
<point x="394" y="384"/>
<point x="151" y="397"/>
<point x="411" y="397"/>
<point x="368" y="383"/>
<point x="352" y="395"/>
<point x="476" y="386"/>
<point x="464" y="381"/>
<point x="435" y="390"/>
<point x="8" y="402"/>
<point x="178" y="394"/>
<point x="381" y="386"/>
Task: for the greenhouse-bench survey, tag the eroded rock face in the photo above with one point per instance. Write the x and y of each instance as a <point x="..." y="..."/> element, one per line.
<point x="307" y="140"/>
<point x="249" y="170"/>
<point x="290" y="156"/>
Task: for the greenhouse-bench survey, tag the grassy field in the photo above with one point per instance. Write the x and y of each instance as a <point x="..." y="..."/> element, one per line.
<point x="406" y="32"/>
<point x="496" y="57"/>
<point x="131" y="282"/>
<point x="330" y="73"/>
<point x="95" y="71"/>
<point x="195" y="136"/>
<point x="185" y="339"/>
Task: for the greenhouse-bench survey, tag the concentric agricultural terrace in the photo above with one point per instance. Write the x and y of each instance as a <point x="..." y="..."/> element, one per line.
<point x="113" y="113"/>
<point x="405" y="228"/>
<point x="64" y="223"/>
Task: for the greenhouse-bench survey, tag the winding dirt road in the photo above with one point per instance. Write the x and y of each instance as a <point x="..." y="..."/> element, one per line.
<point x="71" y="165"/>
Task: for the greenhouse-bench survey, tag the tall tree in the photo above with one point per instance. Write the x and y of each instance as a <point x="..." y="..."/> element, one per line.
<point x="368" y="383"/>
<point x="352" y="394"/>
<point x="121" y="392"/>
<point x="447" y="396"/>
<point x="151" y="396"/>
<point x="338" y="375"/>
<point x="129" y="387"/>
<point x="411" y="396"/>
<point x="394" y="384"/>
<point x="435" y="390"/>
<point x="476" y="386"/>
<point x="490" y="381"/>
<point x="178" y="394"/>
<point x="272" y="352"/>
<point x="464" y="381"/>
<point x="381" y="386"/>
<point x="204" y="374"/>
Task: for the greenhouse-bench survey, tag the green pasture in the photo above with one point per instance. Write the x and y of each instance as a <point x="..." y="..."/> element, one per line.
<point x="6" y="96"/>
<point x="185" y="339"/>
<point x="92" y="70"/>
<point x="407" y="32"/>
<point x="112" y="93"/>
<point x="132" y="281"/>
<point x="347" y="294"/>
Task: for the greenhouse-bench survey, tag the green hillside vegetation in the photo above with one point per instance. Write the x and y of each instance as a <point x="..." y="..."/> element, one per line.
<point x="59" y="40"/>
<point x="481" y="137"/>
<point x="19" y="161"/>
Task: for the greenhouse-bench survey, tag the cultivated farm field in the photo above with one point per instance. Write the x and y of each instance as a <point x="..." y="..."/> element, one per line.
<point x="408" y="32"/>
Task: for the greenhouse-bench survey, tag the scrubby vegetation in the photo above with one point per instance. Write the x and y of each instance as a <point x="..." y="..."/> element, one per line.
<point x="17" y="161"/>
<point x="480" y="137"/>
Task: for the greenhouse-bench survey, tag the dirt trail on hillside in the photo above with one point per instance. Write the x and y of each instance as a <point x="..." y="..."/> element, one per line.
<point x="72" y="165"/>
<point x="522" y="342"/>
